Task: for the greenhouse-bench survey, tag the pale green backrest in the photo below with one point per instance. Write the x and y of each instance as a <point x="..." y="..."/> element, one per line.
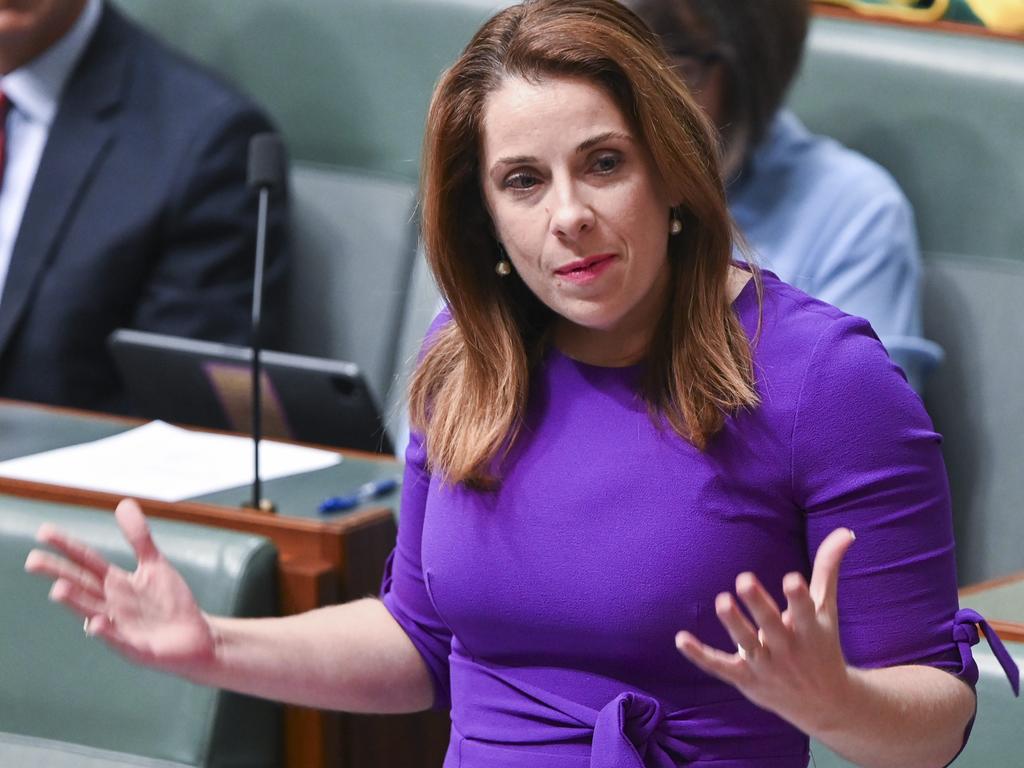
<point x="354" y="241"/>
<point x="348" y="81"/>
<point x="941" y="111"/>
<point x="57" y="684"/>
<point x="944" y="114"/>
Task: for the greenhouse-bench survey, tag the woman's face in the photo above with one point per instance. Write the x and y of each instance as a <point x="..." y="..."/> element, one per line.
<point x="580" y="210"/>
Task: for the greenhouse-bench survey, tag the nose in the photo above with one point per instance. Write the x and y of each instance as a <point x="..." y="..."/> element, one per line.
<point x="571" y="215"/>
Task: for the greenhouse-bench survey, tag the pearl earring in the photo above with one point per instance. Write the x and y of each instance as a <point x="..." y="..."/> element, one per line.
<point x="504" y="266"/>
<point x="675" y="224"/>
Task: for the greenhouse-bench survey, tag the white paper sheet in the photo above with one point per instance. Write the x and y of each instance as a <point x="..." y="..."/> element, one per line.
<point x="161" y="461"/>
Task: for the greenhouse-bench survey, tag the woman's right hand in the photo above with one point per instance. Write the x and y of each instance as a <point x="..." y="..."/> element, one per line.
<point x="148" y="615"/>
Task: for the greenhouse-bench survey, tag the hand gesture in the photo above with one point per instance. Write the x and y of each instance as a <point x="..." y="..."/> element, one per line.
<point x="791" y="662"/>
<point x="149" y="615"/>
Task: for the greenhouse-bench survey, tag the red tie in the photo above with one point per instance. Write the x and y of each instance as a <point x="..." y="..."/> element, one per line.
<point x="5" y="105"/>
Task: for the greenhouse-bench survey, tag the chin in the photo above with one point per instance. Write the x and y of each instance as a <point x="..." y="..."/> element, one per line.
<point x="597" y="321"/>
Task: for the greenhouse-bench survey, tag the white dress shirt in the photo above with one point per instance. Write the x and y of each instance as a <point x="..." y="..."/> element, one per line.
<point x="34" y="91"/>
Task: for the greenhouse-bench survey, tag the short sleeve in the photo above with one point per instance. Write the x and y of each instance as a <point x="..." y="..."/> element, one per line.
<point x="403" y="588"/>
<point x="865" y="456"/>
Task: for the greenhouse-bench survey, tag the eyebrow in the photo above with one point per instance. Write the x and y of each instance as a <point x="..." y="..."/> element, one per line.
<point x="586" y="145"/>
<point x="593" y="141"/>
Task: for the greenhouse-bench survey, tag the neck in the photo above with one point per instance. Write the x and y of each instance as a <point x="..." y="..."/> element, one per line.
<point x="608" y="349"/>
<point x="624" y="343"/>
<point x="628" y="342"/>
<point x="21" y="43"/>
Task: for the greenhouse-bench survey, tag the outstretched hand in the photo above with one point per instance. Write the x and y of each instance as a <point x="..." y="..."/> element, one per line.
<point x="789" y="662"/>
<point x="149" y="615"/>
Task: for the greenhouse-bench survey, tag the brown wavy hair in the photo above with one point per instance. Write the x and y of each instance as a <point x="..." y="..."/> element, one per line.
<point x="470" y="389"/>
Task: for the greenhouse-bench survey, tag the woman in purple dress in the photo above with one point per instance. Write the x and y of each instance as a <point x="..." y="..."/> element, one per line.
<point x="635" y="471"/>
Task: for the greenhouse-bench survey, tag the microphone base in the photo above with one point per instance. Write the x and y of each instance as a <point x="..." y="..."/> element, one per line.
<point x="265" y="505"/>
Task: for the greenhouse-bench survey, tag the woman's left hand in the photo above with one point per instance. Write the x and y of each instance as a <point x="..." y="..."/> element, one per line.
<point x="791" y="662"/>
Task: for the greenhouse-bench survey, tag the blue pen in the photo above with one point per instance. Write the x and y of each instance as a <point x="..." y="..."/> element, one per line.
<point x="371" y="490"/>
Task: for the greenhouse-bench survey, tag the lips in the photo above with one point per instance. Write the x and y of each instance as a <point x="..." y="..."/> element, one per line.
<point x="585" y="273"/>
<point x="582" y="266"/>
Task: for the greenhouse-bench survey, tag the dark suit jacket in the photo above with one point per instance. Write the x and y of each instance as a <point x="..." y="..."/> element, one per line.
<point x="139" y="217"/>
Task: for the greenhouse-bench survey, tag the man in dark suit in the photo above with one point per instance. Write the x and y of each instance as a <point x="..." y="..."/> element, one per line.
<point x="123" y="201"/>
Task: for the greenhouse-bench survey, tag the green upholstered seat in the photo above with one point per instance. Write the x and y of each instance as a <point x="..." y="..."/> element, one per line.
<point x="355" y="238"/>
<point x="65" y="699"/>
<point x="941" y="111"/>
<point x="944" y="114"/>
<point x="347" y="81"/>
<point x="18" y="750"/>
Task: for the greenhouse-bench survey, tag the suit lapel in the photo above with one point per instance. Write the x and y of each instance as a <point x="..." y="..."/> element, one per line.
<point x="81" y="136"/>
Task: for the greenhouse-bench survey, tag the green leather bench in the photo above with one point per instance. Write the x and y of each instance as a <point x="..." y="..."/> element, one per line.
<point x="347" y="82"/>
<point x="67" y="700"/>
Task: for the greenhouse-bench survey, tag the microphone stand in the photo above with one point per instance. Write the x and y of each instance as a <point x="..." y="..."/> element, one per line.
<point x="257" y="501"/>
<point x="265" y="172"/>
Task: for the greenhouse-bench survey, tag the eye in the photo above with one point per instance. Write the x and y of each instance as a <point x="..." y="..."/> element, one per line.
<point x="606" y="162"/>
<point x="521" y="181"/>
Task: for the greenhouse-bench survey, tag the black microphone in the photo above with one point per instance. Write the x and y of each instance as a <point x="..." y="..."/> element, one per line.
<point x="266" y="173"/>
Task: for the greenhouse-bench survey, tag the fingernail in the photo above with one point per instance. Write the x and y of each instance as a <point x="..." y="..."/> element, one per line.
<point x="680" y="639"/>
<point x="853" y="536"/>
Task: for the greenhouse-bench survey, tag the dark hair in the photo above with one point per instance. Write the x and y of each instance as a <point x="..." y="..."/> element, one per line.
<point x="470" y="390"/>
<point x="759" y="41"/>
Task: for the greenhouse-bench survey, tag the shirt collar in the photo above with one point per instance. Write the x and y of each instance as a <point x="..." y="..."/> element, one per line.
<point x="35" y="88"/>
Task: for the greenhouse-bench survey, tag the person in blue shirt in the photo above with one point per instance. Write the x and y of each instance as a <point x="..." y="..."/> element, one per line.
<point x="826" y="219"/>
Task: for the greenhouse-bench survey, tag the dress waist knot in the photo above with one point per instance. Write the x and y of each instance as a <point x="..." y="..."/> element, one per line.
<point x="627" y="729"/>
<point x="503" y="721"/>
<point x="965" y="634"/>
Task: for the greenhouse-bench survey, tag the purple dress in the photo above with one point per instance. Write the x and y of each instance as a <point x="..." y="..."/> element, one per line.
<point x="546" y="611"/>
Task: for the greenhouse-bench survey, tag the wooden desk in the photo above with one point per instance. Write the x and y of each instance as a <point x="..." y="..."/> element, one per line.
<point x="321" y="561"/>
<point x="1001" y="602"/>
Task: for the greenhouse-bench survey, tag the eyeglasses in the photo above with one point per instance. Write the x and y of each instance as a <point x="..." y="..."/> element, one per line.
<point x="694" y="68"/>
